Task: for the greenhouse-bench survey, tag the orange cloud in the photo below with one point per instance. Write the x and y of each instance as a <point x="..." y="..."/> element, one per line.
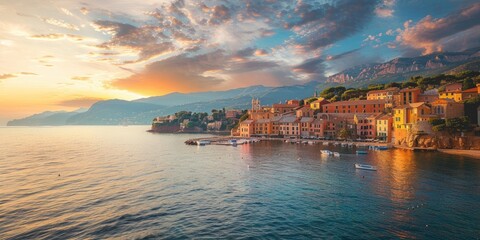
<point x="430" y="34"/>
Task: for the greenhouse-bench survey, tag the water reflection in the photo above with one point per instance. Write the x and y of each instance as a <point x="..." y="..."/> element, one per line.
<point x="116" y="182"/>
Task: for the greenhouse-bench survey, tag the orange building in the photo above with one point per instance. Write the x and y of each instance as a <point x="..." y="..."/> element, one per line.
<point x="447" y="108"/>
<point x="366" y="125"/>
<point x="407" y="95"/>
<point x="385" y="94"/>
<point x="359" y="106"/>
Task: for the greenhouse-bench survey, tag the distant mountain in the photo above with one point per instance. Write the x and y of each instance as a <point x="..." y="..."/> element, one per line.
<point x="402" y="68"/>
<point x="113" y="112"/>
<point x="48" y="118"/>
<point x="175" y="99"/>
<point x="142" y="111"/>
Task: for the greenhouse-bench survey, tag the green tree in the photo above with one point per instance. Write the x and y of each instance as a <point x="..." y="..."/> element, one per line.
<point x="467" y="84"/>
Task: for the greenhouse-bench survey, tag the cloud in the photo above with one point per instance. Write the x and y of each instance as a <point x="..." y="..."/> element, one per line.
<point x="28" y="73"/>
<point x="6" y="76"/>
<point x="179" y="73"/>
<point x="341" y="55"/>
<point x="57" y="36"/>
<point x="384" y="8"/>
<point x="80" y="78"/>
<point x="210" y="71"/>
<point x="322" y="25"/>
<point x="313" y="68"/>
<point x="220" y="14"/>
<point x="61" y="23"/>
<point x="149" y="41"/>
<point x="80" y="102"/>
<point x="437" y="34"/>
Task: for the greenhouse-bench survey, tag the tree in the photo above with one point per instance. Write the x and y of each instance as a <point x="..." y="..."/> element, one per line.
<point x="302" y="102"/>
<point x="457" y="125"/>
<point x="344" y="133"/>
<point x="467" y="84"/>
<point x="409" y="84"/>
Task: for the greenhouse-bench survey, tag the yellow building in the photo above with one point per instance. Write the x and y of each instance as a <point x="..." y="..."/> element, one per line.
<point x="317" y="104"/>
<point x="404" y="117"/>
<point x="384" y="128"/>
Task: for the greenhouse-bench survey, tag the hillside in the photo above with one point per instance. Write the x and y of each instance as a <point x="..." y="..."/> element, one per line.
<point x="403" y="68"/>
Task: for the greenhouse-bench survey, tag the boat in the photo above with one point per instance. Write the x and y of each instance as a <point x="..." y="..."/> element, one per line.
<point x="362" y="151"/>
<point x="326" y="152"/>
<point x="365" y="167"/>
<point x="325" y="143"/>
<point x="311" y="142"/>
<point x="336" y="154"/>
<point x="233" y="142"/>
<point x="203" y="142"/>
<point x="344" y="144"/>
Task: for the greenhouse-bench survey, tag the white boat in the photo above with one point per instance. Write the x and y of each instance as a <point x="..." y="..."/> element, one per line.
<point x="326" y="152"/>
<point x="325" y="143"/>
<point x="311" y="142"/>
<point x="203" y="142"/>
<point x="365" y="167"/>
<point x="344" y="144"/>
<point x="336" y="154"/>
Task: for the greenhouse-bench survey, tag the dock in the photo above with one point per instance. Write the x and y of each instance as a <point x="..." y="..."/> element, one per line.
<point x="224" y="140"/>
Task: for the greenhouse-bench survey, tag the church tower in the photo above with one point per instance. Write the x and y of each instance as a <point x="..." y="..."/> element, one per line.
<point x="255" y="104"/>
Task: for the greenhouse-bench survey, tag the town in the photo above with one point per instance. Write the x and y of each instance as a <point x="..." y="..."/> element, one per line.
<point x="389" y="113"/>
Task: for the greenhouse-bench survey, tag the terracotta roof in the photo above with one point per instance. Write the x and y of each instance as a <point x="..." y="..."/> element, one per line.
<point x="409" y="89"/>
<point x="356" y="102"/>
<point x="383" y="90"/>
<point x="470" y="90"/>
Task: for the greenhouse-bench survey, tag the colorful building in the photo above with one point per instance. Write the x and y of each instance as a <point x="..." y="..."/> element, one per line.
<point x="359" y="106"/>
<point x="384" y="125"/>
<point x="406" y="96"/>
<point x="447" y="108"/>
<point x="317" y="104"/>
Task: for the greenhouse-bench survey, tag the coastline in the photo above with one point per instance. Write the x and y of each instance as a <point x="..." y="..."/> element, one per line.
<point x="466" y="153"/>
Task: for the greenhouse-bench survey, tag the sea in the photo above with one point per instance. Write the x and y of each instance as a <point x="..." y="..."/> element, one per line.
<point x="121" y="182"/>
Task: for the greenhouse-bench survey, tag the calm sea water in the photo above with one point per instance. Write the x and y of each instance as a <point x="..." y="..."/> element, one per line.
<point x="122" y="182"/>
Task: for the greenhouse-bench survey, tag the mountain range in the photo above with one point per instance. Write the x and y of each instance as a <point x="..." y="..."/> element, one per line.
<point x="399" y="69"/>
<point x="142" y="111"/>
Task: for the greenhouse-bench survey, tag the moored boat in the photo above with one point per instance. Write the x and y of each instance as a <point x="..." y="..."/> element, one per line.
<point x="336" y="154"/>
<point x="365" y="167"/>
<point x="362" y="152"/>
<point x="203" y="142"/>
<point x="326" y="152"/>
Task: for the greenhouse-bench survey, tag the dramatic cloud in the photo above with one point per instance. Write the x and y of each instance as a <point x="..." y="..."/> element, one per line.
<point x="325" y="24"/>
<point x="430" y="34"/>
<point x="80" y="102"/>
<point x="149" y="41"/>
<point x="210" y="71"/>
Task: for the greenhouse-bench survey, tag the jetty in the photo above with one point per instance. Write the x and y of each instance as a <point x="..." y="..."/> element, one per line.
<point x="227" y="140"/>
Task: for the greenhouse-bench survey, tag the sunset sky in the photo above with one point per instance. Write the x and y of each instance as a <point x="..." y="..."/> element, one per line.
<point x="63" y="55"/>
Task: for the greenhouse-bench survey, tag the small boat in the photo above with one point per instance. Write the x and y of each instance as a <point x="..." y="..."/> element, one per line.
<point x="203" y="142"/>
<point x="344" y="144"/>
<point x="325" y="143"/>
<point x="233" y="142"/>
<point x="311" y="142"/>
<point x="365" y="167"/>
<point x="326" y="152"/>
<point x="336" y="154"/>
<point x="362" y="151"/>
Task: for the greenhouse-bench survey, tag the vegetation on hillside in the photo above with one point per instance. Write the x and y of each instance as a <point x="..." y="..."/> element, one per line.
<point x="469" y="79"/>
